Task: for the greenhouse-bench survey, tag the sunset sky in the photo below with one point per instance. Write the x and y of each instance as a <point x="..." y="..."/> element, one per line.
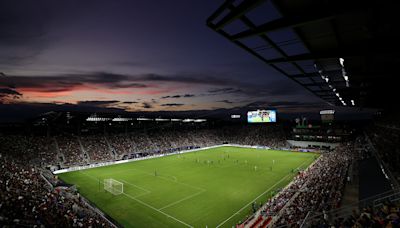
<point x="131" y="55"/>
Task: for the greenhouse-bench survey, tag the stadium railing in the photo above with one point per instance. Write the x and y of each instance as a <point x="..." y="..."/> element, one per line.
<point x="385" y="169"/>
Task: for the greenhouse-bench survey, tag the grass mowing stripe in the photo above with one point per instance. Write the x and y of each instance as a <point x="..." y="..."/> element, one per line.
<point x="169" y="216"/>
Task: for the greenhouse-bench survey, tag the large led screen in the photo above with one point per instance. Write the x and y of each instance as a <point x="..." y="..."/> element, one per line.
<point x="261" y="116"/>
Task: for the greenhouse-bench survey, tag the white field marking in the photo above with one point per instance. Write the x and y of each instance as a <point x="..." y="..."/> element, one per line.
<point x="186" y="198"/>
<point x="134" y="185"/>
<point x="222" y="223"/>
<point x="169" y="216"/>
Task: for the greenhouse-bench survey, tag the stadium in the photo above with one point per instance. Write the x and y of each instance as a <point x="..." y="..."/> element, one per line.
<point x="230" y="113"/>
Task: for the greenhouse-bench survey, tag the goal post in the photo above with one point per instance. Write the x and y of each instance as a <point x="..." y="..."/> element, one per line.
<point x="113" y="186"/>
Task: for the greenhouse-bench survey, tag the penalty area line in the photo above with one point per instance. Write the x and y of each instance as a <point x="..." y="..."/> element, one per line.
<point x="169" y="216"/>
<point x="183" y="199"/>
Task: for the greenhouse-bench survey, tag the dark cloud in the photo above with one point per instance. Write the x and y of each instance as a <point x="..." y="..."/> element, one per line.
<point x="9" y="93"/>
<point x="179" y="96"/>
<point x="147" y="105"/>
<point x="130" y="102"/>
<point x="225" y="90"/>
<point x="98" y="103"/>
<point x="172" y="104"/>
<point x="174" y="96"/>
<point x="226" y="101"/>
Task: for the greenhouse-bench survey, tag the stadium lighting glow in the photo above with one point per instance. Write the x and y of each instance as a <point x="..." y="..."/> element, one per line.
<point x="200" y="120"/>
<point x="160" y="119"/>
<point x="352" y="102"/>
<point x="176" y="120"/>
<point x="337" y="94"/>
<point x="187" y="120"/>
<point x="141" y="118"/>
<point x="97" y="119"/>
<point x="235" y="116"/>
<point x="326" y="112"/>
<point x="119" y="119"/>
<point x="341" y="60"/>
<point x="327" y="79"/>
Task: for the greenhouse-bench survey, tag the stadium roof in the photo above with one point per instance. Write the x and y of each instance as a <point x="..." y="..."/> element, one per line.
<point x="344" y="52"/>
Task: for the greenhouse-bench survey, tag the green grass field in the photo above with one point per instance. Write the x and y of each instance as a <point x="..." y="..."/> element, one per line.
<point x="213" y="187"/>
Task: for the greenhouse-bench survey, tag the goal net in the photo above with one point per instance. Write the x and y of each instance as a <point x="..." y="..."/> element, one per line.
<point x="113" y="186"/>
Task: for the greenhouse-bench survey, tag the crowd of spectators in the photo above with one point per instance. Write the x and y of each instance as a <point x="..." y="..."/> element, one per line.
<point x="27" y="200"/>
<point x="32" y="148"/>
<point x="272" y="136"/>
<point x="68" y="145"/>
<point x="120" y="144"/>
<point x="97" y="148"/>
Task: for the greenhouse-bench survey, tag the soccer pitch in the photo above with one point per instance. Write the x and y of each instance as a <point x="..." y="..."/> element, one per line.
<point x="213" y="187"/>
